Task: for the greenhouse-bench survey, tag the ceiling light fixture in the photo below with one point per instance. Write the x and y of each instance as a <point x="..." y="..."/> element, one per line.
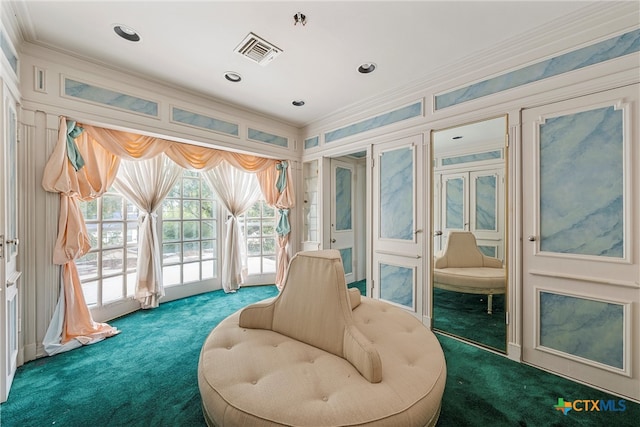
<point x="299" y="18"/>
<point x="126" y="33"/>
<point x="367" y="68"/>
<point x="232" y="76"/>
<point x="298" y="102"/>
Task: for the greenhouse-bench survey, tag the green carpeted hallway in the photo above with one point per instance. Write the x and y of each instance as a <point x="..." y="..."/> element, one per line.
<point x="146" y="376"/>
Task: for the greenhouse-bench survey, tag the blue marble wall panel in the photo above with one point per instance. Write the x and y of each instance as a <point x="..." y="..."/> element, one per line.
<point x="311" y="142"/>
<point x="108" y="97"/>
<point x="469" y="158"/>
<point x="397" y="284"/>
<point x="198" y="120"/>
<point x="347" y="260"/>
<point x="8" y="52"/>
<point x="269" y="138"/>
<point x="590" y="329"/>
<point x="609" y="49"/>
<point x="343" y="196"/>
<point x="486" y="206"/>
<point x="582" y="183"/>
<point x="385" y="119"/>
<point x="397" y="203"/>
<point x="454" y="212"/>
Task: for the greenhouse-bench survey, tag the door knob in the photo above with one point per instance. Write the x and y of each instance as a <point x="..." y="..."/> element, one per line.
<point x="531" y="238"/>
<point x="333" y="240"/>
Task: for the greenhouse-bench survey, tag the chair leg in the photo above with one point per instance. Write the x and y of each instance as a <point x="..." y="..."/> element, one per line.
<point x="490" y="303"/>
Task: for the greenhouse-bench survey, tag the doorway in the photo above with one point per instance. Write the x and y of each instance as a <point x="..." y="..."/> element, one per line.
<point x="346" y="213"/>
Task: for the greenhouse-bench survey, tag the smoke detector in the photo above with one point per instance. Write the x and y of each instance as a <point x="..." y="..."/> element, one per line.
<point x="258" y="49"/>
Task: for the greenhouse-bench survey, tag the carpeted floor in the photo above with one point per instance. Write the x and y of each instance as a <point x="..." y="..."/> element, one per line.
<point x="146" y="376"/>
<point x="465" y="315"/>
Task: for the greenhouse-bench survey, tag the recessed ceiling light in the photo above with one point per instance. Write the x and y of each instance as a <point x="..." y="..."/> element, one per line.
<point x="367" y="68"/>
<point x="298" y="102"/>
<point x="232" y="76"/>
<point x="126" y="33"/>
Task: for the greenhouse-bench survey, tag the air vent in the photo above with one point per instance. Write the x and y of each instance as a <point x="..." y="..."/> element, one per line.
<point x="257" y="50"/>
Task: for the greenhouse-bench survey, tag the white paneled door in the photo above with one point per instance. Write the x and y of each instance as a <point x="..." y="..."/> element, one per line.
<point x="397" y="235"/>
<point x="343" y="214"/>
<point x="9" y="274"/>
<point x="581" y="284"/>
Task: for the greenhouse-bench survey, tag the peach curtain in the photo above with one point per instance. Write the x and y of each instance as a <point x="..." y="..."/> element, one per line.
<point x="102" y="150"/>
<point x="75" y="325"/>
<point x="283" y="201"/>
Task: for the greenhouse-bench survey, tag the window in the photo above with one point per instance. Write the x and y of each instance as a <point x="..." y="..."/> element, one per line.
<point x="189" y="232"/>
<point x="108" y="271"/>
<point x="259" y="230"/>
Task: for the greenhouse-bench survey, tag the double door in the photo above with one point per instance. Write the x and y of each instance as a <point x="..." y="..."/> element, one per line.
<point x="471" y="201"/>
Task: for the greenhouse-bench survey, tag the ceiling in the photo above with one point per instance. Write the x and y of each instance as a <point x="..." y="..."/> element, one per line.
<point x="190" y="44"/>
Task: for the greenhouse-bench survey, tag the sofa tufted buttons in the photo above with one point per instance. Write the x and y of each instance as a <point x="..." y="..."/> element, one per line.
<point x="325" y="398"/>
<point x="228" y="347"/>
<point x="254" y="382"/>
<point x="312" y="361"/>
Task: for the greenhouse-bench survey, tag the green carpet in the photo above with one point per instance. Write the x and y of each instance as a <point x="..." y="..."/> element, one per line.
<point x="147" y="376"/>
<point x="465" y="315"/>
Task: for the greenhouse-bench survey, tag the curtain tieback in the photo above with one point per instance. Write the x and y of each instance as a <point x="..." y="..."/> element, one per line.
<point x="281" y="183"/>
<point x="73" y="153"/>
<point x="143" y="215"/>
<point x="283" y="228"/>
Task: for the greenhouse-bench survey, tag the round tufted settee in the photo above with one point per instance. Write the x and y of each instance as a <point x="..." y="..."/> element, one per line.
<point x="321" y="355"/>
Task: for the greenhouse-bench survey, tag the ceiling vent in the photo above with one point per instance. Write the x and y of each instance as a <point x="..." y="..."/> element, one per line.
<point x="257" y="50"/>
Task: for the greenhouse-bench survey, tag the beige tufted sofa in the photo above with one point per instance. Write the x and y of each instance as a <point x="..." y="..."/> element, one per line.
<point x="321" y="355"/>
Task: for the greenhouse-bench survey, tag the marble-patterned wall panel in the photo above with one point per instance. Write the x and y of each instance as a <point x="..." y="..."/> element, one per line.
<point x="454" y="212"/>
<point x="603" y="51"/>
<point x="585" y="328"/>
<point x="343" y="204"/>
<point x="269" y="138"/>
<point x="108" y="97"/>
<point x="385" y="119"/>
<point x="582" y="183"/>
<point x="311" y="142"/>
<point x="396" y="284"/>
<point x="347" y="260"/>
<point x="469" y="158"/>
<point x="8" y="52"/>
<point x="198" y="120"/>
<point x="486" y="206"/>
<point x="397" y="203"/>
<point x="491" y="251"/>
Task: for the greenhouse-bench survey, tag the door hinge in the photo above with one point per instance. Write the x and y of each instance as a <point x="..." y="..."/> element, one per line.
<point x="506" y="318"/>
<point x="1" y="246"/>
<point x="506" y="140"/>
<point x="373" y="162"/>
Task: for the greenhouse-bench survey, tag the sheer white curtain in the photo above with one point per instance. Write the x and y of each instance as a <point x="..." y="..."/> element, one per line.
<point x="237" y="190"/>
<point x="146" y="183"/>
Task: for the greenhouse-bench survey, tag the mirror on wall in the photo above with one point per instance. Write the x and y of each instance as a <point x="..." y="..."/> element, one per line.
<point x="469" y="266"/>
